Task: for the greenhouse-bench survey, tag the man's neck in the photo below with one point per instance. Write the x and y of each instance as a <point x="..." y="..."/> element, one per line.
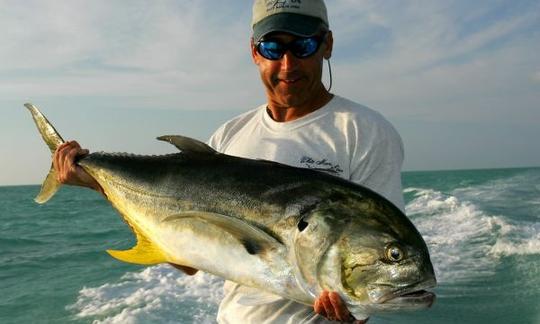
<point x="284" y="113"/>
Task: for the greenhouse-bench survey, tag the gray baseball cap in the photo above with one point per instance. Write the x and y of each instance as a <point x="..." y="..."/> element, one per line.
<point x="303" y="18"/>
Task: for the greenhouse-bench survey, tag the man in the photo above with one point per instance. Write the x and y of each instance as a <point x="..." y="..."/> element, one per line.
<point x="302" y="124"/>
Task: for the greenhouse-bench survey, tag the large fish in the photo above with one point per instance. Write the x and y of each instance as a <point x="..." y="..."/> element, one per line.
<point x="289" y="231"/>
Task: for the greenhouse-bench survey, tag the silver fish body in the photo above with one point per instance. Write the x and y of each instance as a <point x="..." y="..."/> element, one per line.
<point x="288" y="231"/>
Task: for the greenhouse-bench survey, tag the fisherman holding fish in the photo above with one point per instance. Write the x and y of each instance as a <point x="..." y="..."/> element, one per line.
<point x="303" y="125"/>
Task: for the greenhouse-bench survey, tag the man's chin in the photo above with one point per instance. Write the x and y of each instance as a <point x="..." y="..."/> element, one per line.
<point x="292" y="100"/>
<point x="293" y="94"/>
<point x="290" y="93"/>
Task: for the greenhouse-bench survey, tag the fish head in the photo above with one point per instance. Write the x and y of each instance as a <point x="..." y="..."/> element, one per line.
<point x="369" y="252"/>
<point x="316" y="235"/>
<point x="384" y="262"/>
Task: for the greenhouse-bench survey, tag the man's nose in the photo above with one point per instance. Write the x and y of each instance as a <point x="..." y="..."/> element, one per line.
<point x="289" y="61"/>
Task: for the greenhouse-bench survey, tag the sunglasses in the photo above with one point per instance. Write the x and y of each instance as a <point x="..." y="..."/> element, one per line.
<point x="302" y="47"/>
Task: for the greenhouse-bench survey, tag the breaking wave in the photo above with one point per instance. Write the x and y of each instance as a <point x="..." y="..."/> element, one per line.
<point x="159" y="294"/>
<point x="466" y="240"/>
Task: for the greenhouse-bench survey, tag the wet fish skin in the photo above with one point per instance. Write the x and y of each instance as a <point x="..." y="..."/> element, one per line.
<point x="289" y="231"/>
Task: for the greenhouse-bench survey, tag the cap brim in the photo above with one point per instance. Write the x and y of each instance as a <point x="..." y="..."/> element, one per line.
<point x="298" y="25"/>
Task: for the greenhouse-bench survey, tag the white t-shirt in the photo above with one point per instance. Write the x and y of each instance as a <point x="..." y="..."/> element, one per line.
<point x="343" y="138"/>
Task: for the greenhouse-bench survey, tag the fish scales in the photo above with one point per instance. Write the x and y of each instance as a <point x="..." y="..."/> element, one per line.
<point x="178" y="178"/>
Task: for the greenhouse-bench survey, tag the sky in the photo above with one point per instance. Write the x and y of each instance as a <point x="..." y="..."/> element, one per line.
<point x="460" y="80"/>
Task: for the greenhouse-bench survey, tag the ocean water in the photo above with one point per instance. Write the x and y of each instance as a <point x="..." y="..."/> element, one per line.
<point x="482" y="228"/>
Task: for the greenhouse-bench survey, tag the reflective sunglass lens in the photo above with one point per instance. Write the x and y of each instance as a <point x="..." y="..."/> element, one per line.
<point x="271" y="50"/>
<point x="304" y="47"/>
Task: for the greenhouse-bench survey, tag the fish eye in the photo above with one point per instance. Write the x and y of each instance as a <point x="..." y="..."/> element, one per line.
<point x="302" y="224"/>
<point x="394" y="253"/>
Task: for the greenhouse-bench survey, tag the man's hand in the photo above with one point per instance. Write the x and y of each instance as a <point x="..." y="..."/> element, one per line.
<point x="67" y="170"/>
<point x="330" y="305"/>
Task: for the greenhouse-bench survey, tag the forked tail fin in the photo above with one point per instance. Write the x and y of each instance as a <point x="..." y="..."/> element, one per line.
<point x="53" y="140"/>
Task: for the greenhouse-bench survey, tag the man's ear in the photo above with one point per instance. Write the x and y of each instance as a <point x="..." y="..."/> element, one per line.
<point x="329" y="45"/>
<point x="254" y="54"/>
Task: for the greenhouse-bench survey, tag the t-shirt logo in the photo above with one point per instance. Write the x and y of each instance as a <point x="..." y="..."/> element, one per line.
<point x="320" y="165"/>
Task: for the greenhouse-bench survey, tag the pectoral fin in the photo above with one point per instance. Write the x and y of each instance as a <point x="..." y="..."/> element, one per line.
<point x="145" y="252"/>
<point x="254" y="239"/>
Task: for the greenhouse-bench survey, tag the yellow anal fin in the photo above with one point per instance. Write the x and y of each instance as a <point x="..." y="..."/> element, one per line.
<point x="145" y="252"/>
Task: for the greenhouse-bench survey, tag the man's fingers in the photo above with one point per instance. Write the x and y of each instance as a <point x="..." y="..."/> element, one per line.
<point x="61" y="152"/>
<point x="69" y="159"/>
<point x="64" y="161"/>
<point x="73" y="154"/>
<point x="331" y="306"/>
<point x="341" y="311"/>
<point x="318" y="308"/>
<point x="327" y="305"/>
<point x="59" y="160"/>
<point x="58" y="155"/>
<point x="67" y="170"/>
<point x="75" y="144"/>
<point x="322" y="306"/>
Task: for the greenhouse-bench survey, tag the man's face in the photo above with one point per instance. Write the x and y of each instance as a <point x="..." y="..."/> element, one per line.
<point x="292" y="81"/>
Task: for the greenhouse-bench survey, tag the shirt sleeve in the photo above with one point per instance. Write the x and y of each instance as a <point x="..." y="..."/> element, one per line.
<point x="378" y="165"/>
<point x="216" y="140"/>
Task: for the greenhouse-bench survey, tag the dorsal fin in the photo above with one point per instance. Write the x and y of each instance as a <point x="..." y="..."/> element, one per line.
<point x="187" y="144"/>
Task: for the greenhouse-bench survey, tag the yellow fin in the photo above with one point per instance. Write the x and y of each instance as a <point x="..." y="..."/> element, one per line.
<point x="53" y="140"/>
<point x="145" y="252"/>
<point x="46" y="129"/>
<point x="49" y="187"/>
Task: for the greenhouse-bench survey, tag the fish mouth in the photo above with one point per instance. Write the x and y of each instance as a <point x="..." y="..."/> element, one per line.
<point x="413" y="295"/>
<point x="419" y="297"/>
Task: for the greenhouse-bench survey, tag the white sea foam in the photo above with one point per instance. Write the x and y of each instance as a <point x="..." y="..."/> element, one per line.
<point x="466" y="242"/>
<point x="157" y="294"/>
<point x="457" y="233"/>
<point x="522" y="194"/>
<point x="518" y="241"/>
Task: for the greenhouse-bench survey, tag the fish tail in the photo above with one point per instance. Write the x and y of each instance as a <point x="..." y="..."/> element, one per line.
<point x="51" y="137"/>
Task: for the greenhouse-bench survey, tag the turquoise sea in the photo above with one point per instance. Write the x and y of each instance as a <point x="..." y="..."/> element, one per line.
<point x="482" y="228"/>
